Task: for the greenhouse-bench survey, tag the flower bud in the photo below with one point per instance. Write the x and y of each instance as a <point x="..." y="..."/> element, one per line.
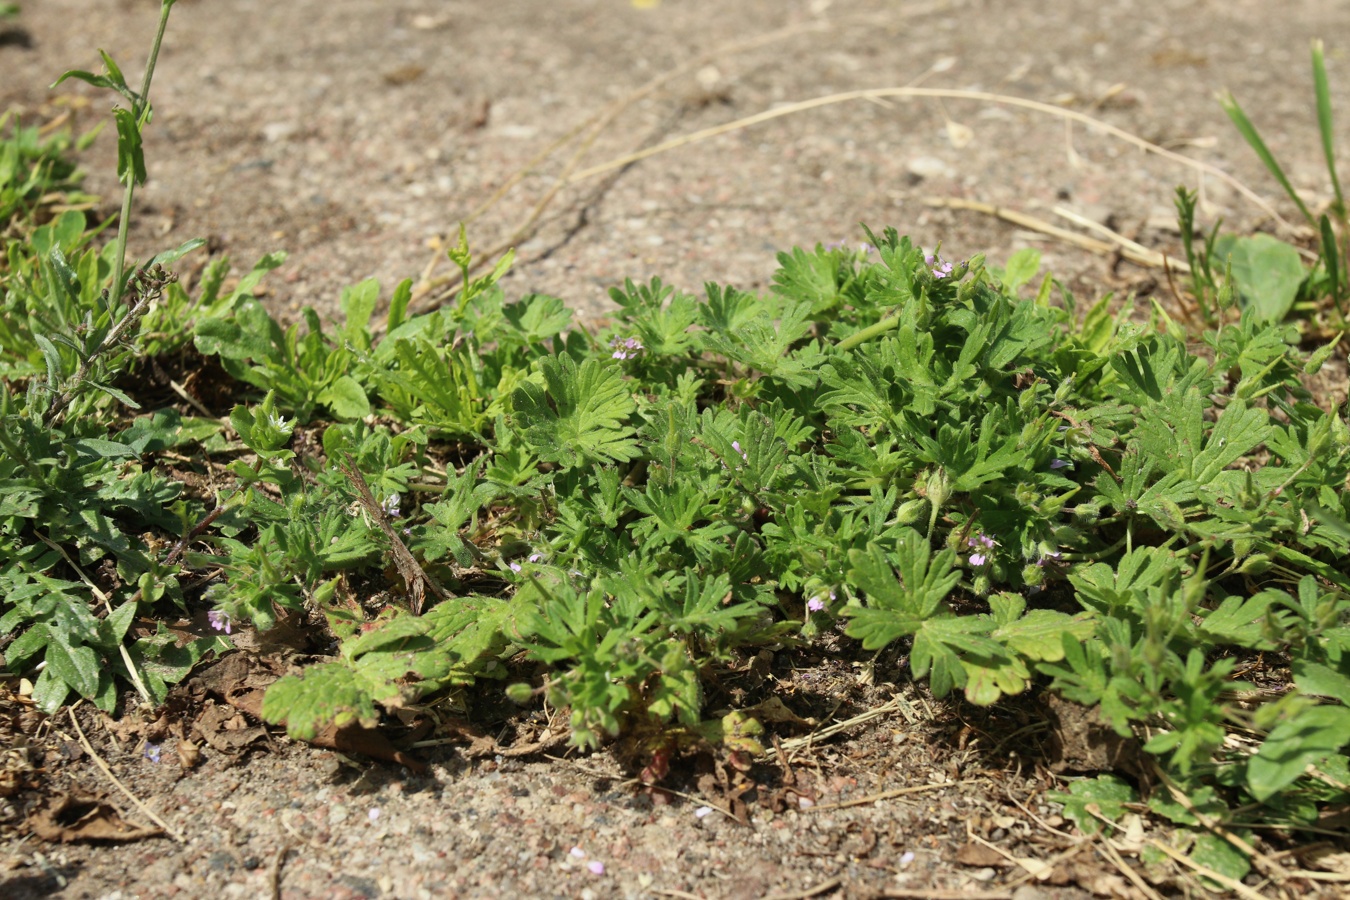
<point x="911" y="511"/>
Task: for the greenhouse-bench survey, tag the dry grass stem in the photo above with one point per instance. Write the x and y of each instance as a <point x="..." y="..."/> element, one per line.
<point x="941" y="93"/>
<point x="1135" y="253"/>
<point x="103" y="766"/>
<point x="593" y="128"/>
<point x="1131" y="250"/>
<point x="876" y="95"/>
<point x="132" y="671"/>
<point x="1265" y="863"/>
<point x="885" y="795"/>
<point x="274" y="876"/>
<point x="1232" y="884"/>
<point x="896" y="704"/>
<point x="1127" y="870"/>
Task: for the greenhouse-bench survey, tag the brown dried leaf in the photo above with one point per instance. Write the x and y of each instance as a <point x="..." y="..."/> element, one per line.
<point x="974" y="854"/>
<point x="84" y="817"/>
<point x="367" y="742"/>
<point x="226" y="730"/>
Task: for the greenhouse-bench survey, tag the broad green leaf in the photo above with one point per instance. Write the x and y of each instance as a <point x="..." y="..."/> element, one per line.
<point x="1238" y="430"/>
<point x="1203" y="799"/>
<point x="358" y="303"/>
<point x="1294" y="745"/>
<point x="78" y="666"/>
<point x="1268" y="272"/>
<point x="130" y="153"/>
<point x="896" y="608"/>
<point x="1217" y="853"/>
<point x="1322" y="680"/>
<point x="992" y="678"/>
<point x="1241" y="620"/>
<point x="118" y="623"/>
<point x="168" y="257"/>
<point x="538" y="317"/>
<point x="347" y="398"/>
<point x="50" y="691"/>
<point x="97" y="448"/>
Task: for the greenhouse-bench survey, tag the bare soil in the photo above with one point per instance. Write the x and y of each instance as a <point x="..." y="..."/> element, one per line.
<point x="356" y="135"/>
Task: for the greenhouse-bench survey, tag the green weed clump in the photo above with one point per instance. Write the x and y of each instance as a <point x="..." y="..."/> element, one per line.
<point x="911" y="450"/>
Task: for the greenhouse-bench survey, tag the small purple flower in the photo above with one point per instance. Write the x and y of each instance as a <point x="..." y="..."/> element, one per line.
<point x="514" y="567"/>
<point x="577" y="853"/>
<point x="220" y="620"/>
<point x="390" y="505"/>
<point x="625" y="348"/>
<point x="535" y="558"/>
<point x="941" y="268"/>
<point x="980" y="543"/>
<point x="596" y="867"/>
<point x="152" y="752"/>
<point x="736" y="445"/>
<point x="1059" y="463"/>
<point x="815" y="605"/>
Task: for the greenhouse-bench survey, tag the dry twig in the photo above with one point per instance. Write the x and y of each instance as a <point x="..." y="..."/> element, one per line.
<point x="274" y="876"/>
<point x="815" y="891"/>
<point x="414" y="576"/>
<point x="941" y="894"/>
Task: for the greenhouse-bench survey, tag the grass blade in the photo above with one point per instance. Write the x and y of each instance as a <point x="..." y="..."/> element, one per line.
<point x="1253" y="139"/>
<point x="1319" y="68"/>
<point x="1331" y="258"/>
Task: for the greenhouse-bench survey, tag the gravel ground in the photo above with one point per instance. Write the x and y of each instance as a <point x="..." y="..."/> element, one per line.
<point x="357" y="134"/>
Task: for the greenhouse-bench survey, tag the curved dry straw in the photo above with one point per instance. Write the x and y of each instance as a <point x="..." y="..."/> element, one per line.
<point x="937" y="93"/>
<point x="598" y="123"/>
<point x="593" y="128"/>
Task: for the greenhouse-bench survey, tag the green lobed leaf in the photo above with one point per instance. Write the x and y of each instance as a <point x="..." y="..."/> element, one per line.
<point x="1294" y="745"/>
<point x="579" y="415"/>
<point x="1092" y="799"/>
<point x="324" y="694"/>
